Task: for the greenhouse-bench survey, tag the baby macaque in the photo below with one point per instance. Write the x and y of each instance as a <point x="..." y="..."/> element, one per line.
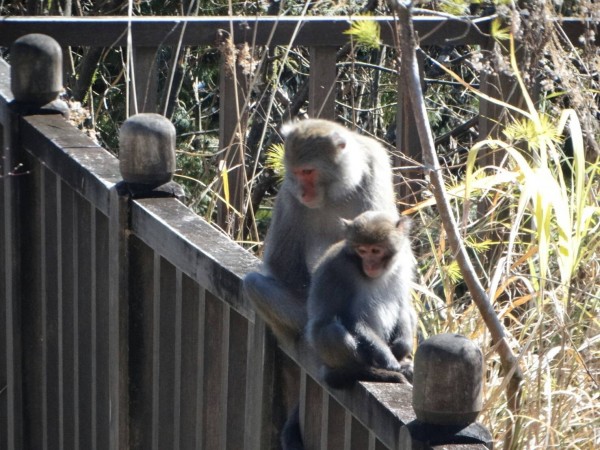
<point x="361" y="321"/>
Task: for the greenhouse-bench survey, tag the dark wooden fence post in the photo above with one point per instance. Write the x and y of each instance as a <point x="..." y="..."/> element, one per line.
<point x="321" y="82"/>
<point x="233" y="118"/>
<point x="147" y="164"/>
<point x="147" y="161"/>
<point x="143" y="95"/>
<point x="408" y="181"/>
<point x="36" y="80"/>
<point x="447" y="395"/>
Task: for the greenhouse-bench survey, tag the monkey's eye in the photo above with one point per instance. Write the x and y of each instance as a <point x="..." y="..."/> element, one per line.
<point x="360" y="251"/>
<point x="304" y="173"/>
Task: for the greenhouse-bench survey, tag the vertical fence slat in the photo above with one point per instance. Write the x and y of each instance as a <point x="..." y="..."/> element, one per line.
<point x="178" y="307"/>
<point x="68" y="236"/>
<point x="165" y="378"/>
<point x="6" y="298"/>
<point x="359" y="436"/>
<point x="118" y="320"/>
<point x="102" y="329"/>
<point x="144" y="83"/>
<point x="10" y="237"/>
<point x="215" y="365"/>
<point x="190" y="374"/>
<point x="237" y="377"/>
<point x="233" y="117"/>
<point x="201" y="337"/>
<point x="60" y="406"/>
<point x="84" y="324"/>
<point x="321" y="88"/>
<point x="335" y="423"/>
<point x="31" y="289"/>
<point x="93" y="331"/>
<point x="259" y="393"/>
<point x="310" y="408"/>
<point x="141" y="289"/>
<point x="407" y="143"/>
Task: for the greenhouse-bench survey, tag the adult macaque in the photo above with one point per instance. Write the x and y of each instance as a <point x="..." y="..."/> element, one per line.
<point x="331" y="173"/>
<point x="361" y="321"/>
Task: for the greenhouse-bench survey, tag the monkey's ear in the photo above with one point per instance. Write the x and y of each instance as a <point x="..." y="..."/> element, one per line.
<point x="338" y="140"/>
<point x="404" y="224"/>
<point x="286" y="129"/>
<point x="345" y="223"/>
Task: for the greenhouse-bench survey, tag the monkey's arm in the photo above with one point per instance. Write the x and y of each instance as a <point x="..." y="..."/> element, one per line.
<point x="373" y="350"/>
<point x="401" y="340"/>
<point x="332" y="342"/>
<point x="279" y="292"/>
<point x="281" y="309"/>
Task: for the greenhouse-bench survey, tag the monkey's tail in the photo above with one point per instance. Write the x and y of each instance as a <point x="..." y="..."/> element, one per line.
<point x="291" y="436"/>
<point x="344" y="378"/>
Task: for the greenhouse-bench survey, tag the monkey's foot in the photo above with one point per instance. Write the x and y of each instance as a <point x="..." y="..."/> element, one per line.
<point x="406" y="369"/>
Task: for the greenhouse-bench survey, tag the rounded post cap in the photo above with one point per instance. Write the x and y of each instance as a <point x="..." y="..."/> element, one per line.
<point x="36" y="69"/>
<point x="448" y="380"/>
<point x="147" y="149"/>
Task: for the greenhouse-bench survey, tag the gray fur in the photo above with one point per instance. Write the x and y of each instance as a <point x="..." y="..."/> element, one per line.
<point x="360" y="325"/>
<point x="356" y="176"/>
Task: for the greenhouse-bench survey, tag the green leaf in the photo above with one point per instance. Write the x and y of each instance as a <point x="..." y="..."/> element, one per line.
<point x="366" y="33"/>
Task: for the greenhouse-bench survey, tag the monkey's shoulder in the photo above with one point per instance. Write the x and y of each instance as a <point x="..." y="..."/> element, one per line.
<point x="338" y="262"/>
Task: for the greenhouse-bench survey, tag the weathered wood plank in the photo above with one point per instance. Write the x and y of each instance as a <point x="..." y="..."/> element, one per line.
<point x="141" y="338"/>
<point x="69" y="238"/>
<point x="336" y="418"/>
<point x="216" y="358"/>
<point x="382" y="407"/>
<point x="260" y="390"/>
<point x="50" y="310"/>
<point x="359" y="436"/>
<point x="321" y="82"/>
<point x="118" y="320"/>
<point x="102" y="362"/>
<point x="209" y="257"/>
<point x="66" y="151"/>
<point x="31" y="307"/>
<point x="267" y="30"/>
<point x="10" y="235"/>
<point x="190" y="371"/>
<point x="164" y="354"/>
<point x="237" y="381"/>
<point x="311" y="398"/>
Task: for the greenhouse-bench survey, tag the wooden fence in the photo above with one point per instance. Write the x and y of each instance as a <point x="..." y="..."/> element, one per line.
<point x="124" y="325"/>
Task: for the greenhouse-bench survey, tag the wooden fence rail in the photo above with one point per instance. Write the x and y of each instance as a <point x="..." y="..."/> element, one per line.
<point x="124" y="325"/>
<point x="323" y="35"/>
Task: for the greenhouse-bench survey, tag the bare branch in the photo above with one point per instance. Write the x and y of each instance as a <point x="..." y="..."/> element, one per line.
<point x="410" y="75"/>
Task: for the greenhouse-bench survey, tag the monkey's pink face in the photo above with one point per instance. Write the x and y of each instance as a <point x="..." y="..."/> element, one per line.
<point x="309" y="192"/>
<point x="374" y="259"/>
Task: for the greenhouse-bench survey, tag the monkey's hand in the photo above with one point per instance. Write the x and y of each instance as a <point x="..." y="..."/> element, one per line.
<point x="406" y="369"/>
<point x="374" y="351"/>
